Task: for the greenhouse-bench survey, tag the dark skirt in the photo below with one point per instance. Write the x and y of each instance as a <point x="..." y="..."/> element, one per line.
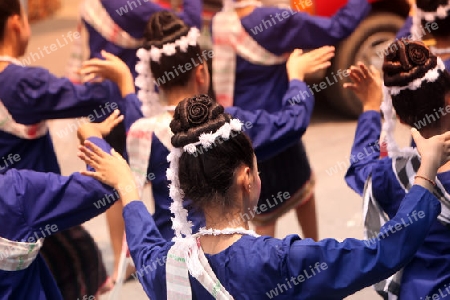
<point x="73" y="256"/>
<point x="118" y="138"/>
<point x="75" y="262"/>
<point x="286" y="182"/>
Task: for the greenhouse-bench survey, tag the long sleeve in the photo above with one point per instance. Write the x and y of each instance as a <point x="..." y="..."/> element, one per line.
<point x="272" y="133"/>
<point x="365" y="150"/>
<point x="293" y="30"/>
<point x="51" y="199"/>
<point x="341" y="269"/>
<point x="36" y="93"/>
<point x="192" y="13"/>
<point x="133" y="111"/>
<point x="405" y="31"/>
<point x="147" y="247"/>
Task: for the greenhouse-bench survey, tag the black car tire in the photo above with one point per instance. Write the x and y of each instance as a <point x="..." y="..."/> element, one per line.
<point x="342" y="99"/>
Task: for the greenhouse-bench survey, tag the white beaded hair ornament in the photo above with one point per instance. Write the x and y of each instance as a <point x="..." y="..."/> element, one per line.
<point x="429" y="16"/>
<point x="416" y="56"/>
<point x="198" y="110"/>
<point x="145" y="81"/>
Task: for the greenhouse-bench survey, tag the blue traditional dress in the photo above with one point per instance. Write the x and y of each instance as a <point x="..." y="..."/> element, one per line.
<point x="280" y="31"/>
<point x="428" y="273"/>
<point x="132" y="17"/>
<point x="33" y="95"/>
<point x="290" y="268"/>
<point x="35" y="205"/>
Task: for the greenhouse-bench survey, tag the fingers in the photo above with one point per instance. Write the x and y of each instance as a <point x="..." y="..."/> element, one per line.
<point x="94" y="175"/>
<point x="350" y="86"/>
<point x="357" y="73"/>
<point x="92" y="78"/>
<point x="375" y="72"/>
<point x="446" y="136"/>
<point x="324" y="58"/>
<point x="89" y="157"/>
<point x="354" y="76"/>
<point x="418" y="138"/>
<point x="325" y="50"/>
<point x="295" y="54"/>
<point x="109" y="56"/>
<point x="321" y="66"/>
<point x="92" y="69"/>
<point x="364" y="70"/>
<point x="115" y="154"/>
<point x="113" y="116"/>
<point x="99" y="153"/>
<point x="93" y="62"/>
<point x="113" y="120"/>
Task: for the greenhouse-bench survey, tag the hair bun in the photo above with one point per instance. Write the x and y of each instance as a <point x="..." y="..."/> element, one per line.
<point x="430" y="5"/>
<point x="407" y="61"/>
<point x="194" y="116"/>
<point x="164" y="27"/>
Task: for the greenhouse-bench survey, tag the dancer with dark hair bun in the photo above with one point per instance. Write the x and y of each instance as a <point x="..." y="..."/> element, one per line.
<point x="226" y="260"/>
<point x="148" y="141"/>
<point x="417" y="86"/>
<point x="118" y="26"/>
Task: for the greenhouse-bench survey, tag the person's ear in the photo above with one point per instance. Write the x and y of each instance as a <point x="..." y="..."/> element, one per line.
<point x="244" y="179"/>
<point x="14" y="23"/>
<point x="447" y="100"/>
<point x="200" y="75"/>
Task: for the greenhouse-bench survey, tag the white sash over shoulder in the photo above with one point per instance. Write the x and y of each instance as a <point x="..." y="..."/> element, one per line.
<point x="28" y="132"/>
<point x="231" y="39"/>
<point x="16" y="256"/>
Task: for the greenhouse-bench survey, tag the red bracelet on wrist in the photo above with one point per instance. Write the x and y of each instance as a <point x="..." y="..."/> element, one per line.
<point x="426" y="179"/>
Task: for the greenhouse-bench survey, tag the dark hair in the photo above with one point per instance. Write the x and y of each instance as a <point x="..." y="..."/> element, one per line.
<point x="411" y="61"/>
<point x="207" y="176"/>
<point x="8" y="8"/>
<point x="166" y="27"/>
<point x="443" y="28"/>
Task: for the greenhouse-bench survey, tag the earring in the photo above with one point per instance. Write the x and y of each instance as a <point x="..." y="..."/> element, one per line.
<point x="249" y="187"/>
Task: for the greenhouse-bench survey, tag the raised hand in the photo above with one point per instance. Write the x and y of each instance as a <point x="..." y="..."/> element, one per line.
<point x="300" y="64"/>
<point x="112" y="68"/>
<point x="435" y="149"/>
<point x="367" y="85"/>
<point x="111" y="169"/>
<point x="99" y="129"/>
<point x="435" y="152"/>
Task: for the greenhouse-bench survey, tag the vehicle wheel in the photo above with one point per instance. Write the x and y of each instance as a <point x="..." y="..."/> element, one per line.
<point x="366" y="44"/>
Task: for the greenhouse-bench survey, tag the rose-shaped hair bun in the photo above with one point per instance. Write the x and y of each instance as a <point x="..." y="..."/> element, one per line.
<point x="164" y="27"/>
<point x="194" y="116"/>
<point x="407" y="61"/>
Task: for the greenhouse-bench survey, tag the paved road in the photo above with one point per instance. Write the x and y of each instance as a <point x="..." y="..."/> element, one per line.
<point x="328" y="141"/>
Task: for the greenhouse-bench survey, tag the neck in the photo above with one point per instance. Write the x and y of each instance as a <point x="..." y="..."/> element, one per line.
<point x="218" y="220"/>
<point x="8" y="50"/>
<point x="213" y="244"/>
<point x="173" y="96"/>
